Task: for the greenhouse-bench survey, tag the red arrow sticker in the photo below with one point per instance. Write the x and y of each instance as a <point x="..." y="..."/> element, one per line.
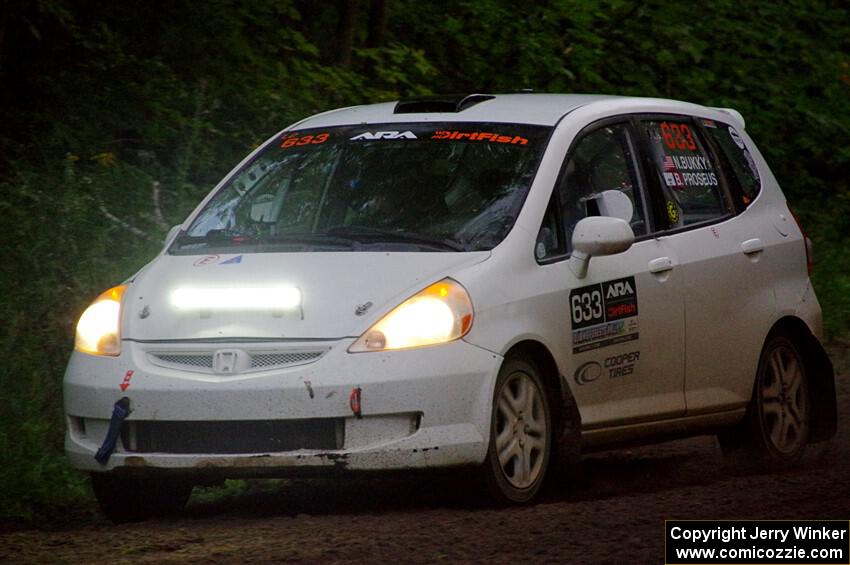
<point x="126" y="383"/>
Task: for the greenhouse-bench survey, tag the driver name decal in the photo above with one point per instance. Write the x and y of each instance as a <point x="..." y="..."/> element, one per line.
<point x="604" y="314"/>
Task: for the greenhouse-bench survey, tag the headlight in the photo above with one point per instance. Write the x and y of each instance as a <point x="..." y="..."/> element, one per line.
<point x="99" y="328"/>
<point x="440" y="313"/>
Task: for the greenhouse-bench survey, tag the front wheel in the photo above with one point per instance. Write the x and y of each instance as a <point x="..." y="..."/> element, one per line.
<point x="520" y="434"/>
<point x="776" y="428"/>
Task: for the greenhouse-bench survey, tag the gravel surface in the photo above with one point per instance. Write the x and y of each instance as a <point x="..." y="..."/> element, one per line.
<point x="612" y="511"/>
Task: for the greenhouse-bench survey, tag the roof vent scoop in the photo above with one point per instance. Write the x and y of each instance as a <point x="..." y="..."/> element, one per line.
<point x="432" y="104"/>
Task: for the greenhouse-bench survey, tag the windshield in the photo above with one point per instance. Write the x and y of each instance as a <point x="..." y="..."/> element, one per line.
<point x="405" y="187"/>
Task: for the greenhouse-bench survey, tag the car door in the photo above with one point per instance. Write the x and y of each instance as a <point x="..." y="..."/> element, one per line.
<point x="626" y="341"/>
<point x="729" y="294"/>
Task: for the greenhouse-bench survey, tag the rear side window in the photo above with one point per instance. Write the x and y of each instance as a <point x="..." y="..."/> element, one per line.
<point x="689" y="179"/>
<point x="738" y="156"/>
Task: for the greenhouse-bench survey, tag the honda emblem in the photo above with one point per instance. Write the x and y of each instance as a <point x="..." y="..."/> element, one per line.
<point x="224" y="361"/>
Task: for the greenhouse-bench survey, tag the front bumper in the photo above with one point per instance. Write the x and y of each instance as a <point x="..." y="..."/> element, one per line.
<point x="421" y="408"/>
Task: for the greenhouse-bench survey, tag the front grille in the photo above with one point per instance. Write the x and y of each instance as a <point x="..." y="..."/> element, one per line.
<point x="186" y="360"/>
<point x="232" y="437"/>
<point x="269" y="360"/>
<point x="262" y="360"/>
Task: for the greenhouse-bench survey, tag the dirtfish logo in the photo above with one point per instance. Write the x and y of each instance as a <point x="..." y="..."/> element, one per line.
<point x="384" y="135"/>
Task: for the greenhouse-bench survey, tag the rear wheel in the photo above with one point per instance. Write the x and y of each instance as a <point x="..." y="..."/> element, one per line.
<point x="777" y="424"/>
<point x="520" y="434"/>
<point x="133" y="499"/>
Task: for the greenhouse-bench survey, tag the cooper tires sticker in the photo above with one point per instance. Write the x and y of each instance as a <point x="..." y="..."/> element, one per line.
<point x="616" y="366"/>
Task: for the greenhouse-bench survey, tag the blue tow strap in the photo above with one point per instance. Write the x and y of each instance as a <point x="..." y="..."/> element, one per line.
<point x="119" y="412"/>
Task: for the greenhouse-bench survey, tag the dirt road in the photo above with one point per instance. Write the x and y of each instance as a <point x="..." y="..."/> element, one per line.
<point x="613" y="512"/>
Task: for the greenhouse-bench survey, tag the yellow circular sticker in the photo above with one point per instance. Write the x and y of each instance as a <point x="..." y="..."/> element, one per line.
<point x="672" y="212"/>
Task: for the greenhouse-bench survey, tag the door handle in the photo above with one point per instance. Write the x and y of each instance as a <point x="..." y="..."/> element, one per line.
<point x="660" y="265"/>
<point x="751" y="246"/>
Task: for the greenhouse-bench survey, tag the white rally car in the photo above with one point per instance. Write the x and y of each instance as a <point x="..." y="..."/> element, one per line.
<point x="493" y="282"/>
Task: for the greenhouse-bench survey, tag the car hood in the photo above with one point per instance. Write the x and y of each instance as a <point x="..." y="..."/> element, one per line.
<point x="332" y="287"/>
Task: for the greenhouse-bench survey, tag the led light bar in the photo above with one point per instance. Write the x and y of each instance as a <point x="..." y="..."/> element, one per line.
<point x="242" y="298"/>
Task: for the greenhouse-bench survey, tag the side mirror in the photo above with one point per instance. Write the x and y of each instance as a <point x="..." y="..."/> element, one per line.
<point x="598" y="235"/>
<point x="172" y="233"/>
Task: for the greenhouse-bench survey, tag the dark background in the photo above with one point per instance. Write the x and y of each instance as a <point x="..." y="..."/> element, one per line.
<point x="116" y="117"/>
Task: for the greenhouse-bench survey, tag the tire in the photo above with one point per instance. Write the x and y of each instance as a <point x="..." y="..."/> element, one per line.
<point x="521" y="431"/>
<point x="133" y="499"/>
<point x="776" y="428"/>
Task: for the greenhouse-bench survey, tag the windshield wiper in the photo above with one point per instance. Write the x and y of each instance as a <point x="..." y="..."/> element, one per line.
<point x="218" y="239"/>
<point x="342" y="237"/>
<point x="377" y="235"/>
<point x="213" y="237"/>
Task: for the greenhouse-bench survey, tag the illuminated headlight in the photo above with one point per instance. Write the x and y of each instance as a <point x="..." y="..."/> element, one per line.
<point x="439" y="314"/>
<point x="243" y="298"/>
<point x="99" y="328"/>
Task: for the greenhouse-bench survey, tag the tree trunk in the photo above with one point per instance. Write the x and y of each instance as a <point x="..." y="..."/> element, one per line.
<point x="3" y="18"/>
<point x="344" y="31"/>
<point x="377" y="23"/>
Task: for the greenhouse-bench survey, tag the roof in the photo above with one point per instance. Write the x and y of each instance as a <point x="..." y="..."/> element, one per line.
<point x="527" y="108"/>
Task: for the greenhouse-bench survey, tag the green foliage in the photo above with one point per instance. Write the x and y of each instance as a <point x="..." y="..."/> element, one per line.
<point x="117" y="118"/>
<point x="62" y="254"/>
<point x="34" y="475"/>
<point x="230" y="489"/>
<point x="831" y="276"/>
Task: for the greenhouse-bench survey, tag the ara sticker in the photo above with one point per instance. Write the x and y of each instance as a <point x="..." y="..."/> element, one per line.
<point x="709" y="123"/>
<point x="604" y="314"/>
<point x="736" y="137"/>
<point x="206" y="260"/>
<point x="672" y="212"/>
<point x="125" y="384"/>
<point x="232" y="261"/>
<point x="368" y="135"/>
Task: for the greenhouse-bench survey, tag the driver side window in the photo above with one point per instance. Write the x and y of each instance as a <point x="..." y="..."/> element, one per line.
<point x="601" y="161"/>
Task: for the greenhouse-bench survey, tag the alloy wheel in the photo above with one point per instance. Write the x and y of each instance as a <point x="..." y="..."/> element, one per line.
<point x="784" y="400"/>
<point x="521" y="430"/>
